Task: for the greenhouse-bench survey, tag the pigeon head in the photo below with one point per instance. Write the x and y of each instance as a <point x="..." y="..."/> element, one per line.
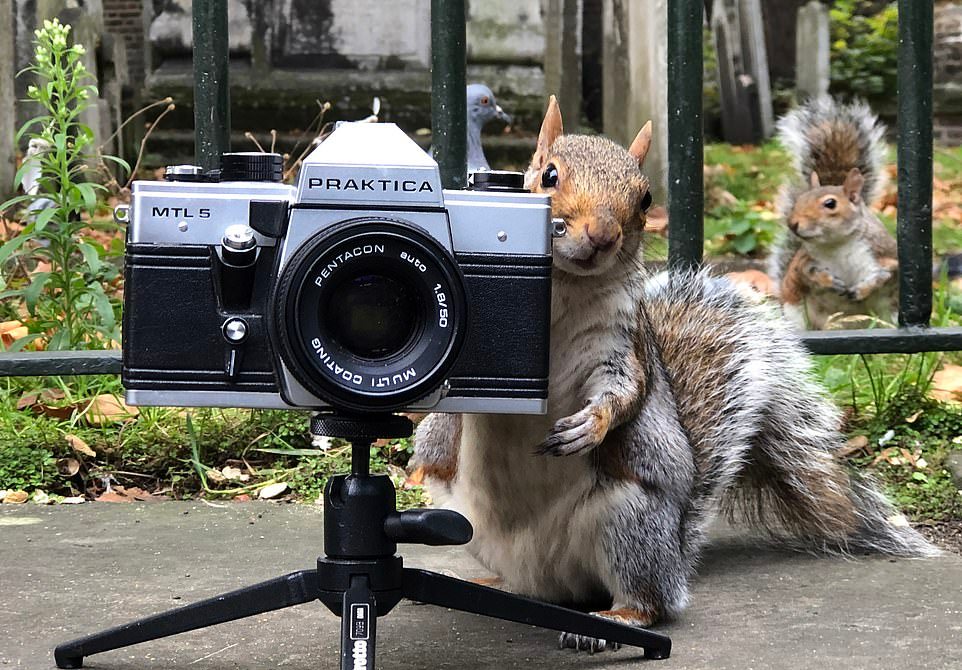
<point x="482" y="107"/>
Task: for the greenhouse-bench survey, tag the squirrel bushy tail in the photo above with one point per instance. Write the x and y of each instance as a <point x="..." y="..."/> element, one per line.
<point x="764" y="432"/>
<point x="795" y="488"/>
<point x="829" y="138"/>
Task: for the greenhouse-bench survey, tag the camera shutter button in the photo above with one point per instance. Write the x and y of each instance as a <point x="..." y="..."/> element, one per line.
<point x="239" y="237"/>
<point x="235" y="330"/>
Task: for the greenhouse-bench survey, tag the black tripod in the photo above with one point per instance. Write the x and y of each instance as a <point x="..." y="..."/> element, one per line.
<point x="360" y="578"/>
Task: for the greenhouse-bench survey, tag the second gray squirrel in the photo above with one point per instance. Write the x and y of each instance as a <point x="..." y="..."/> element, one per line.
<point x="835" y="257"/>
<point x="669" y="397"/>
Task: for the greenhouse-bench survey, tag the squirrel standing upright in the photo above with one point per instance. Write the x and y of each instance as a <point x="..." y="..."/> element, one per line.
<point x="668" y="396"/>
<point x="838" y="258"/>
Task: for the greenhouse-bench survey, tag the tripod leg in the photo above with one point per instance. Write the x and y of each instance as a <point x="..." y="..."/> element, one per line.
<point x="430" y="587"/>
<point x="293" y="589"/>
<point x="358" y="625"/>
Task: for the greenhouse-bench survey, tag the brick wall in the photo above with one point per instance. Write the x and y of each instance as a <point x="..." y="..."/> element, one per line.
<point x="126" y="18"/>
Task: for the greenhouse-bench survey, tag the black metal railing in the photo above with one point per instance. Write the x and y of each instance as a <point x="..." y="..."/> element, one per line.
<point x="685" y="170"/>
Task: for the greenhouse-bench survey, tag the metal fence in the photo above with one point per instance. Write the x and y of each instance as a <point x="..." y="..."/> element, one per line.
<point x="685" y="168"/>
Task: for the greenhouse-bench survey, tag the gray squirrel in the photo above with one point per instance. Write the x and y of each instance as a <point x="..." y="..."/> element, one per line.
<point x="835" y="256"/>
<point x="669" y="397"/>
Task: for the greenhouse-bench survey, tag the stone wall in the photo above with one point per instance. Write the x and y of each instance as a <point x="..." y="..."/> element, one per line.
<point x="286" y="55"/>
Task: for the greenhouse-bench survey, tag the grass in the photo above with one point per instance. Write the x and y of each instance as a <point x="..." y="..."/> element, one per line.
<point x="179" y="452"/>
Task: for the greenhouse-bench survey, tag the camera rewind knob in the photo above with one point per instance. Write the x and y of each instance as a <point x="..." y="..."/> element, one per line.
<point x="251" y="166"/>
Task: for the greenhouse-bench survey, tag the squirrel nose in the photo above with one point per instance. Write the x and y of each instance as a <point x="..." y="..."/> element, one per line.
<point x="603" y="241"/>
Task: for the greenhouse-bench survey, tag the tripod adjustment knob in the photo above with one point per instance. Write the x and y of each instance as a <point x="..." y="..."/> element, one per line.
<point x="428" y="526"/>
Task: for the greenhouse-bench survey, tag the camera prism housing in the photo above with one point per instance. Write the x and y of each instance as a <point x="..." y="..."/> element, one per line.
<point x="366" y="288"/>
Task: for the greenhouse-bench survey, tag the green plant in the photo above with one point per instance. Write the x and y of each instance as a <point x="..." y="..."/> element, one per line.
<point x="27" y="452"/>
<point x="864" y="48"/>
<point x="739" y="228"/>
<point x="60" y="275"/>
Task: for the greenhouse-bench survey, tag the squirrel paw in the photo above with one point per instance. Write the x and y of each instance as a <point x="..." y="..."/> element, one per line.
<point x="825" y="279"/>
<point x="862" y="291"/>
<point x="586" y="643"/>
<point x="626" y="615"/>
<point x="579" y="432"/>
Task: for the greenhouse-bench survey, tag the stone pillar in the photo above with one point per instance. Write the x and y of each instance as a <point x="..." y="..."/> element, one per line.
<point x="812" y="51"/>
<point x="746" y="96"/>
<point x="635" y="79"/>
<point x="8" y="117"/>
<point x="562" y="57"/>
<point x="753" y="38"/>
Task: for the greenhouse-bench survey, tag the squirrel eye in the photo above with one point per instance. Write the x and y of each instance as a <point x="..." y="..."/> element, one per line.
<point x="646" y="201"/>
<point x="549" y="178"/>
<point x="830" y="203"/>
<point x="484" y="100"/>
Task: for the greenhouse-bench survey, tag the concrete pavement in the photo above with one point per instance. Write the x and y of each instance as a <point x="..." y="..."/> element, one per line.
<point x="72" y="570"/>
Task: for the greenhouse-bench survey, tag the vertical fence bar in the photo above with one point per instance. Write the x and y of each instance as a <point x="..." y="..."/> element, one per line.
<point x="915" y="161"/>
<point x="211" y="83"/>
<point x="448" y="81"/>
<point x="685" y="143"/>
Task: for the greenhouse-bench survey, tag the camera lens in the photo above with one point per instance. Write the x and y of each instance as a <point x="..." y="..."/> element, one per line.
<point x="371" y="315"/>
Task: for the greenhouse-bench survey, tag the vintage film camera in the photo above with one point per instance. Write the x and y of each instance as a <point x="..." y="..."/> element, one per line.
<point x="365" y="289"/>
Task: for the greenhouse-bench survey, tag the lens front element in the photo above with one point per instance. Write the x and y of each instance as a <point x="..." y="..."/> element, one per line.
<point x="369" y="314"/>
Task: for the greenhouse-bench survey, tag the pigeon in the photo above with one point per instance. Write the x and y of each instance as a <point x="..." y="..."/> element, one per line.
<point x="482" y="108"/>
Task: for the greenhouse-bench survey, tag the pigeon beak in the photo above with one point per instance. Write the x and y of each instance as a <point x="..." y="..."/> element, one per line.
<point x="504" y="116"/>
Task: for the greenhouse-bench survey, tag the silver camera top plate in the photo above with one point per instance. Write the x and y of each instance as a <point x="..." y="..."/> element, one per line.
<point x="371" y="164"/>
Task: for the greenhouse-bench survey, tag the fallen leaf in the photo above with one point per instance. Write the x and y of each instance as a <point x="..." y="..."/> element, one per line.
<point x="243" y="497"/>
<point x="41" y="498"/>
<point x="68" y="466"/>
<point x="114" y="497"/>
<point x="233" y="473"/>
<point x="885" y="455"/>
<point x="27" y="400"/>
<point x="11" y="331"/>
<point x="3" y="494"/>
<point x="107" y="409"/>
<point x="416" y="478"/>
<point x="889" y="434"/>
<point x="272" y="491"/>
<point x="16" y="497"/>
<point x="73" y="500"/>
<point x="138" y="494"/>
<point x="215" y="476"/>
<point x="914" y="417"/>
<point x="80" y="446"/>
<point x="854" y="445"/>
<point x="947" y="383"/>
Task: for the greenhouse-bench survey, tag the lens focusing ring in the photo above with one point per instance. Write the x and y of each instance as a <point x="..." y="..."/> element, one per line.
<point x="394" y="249"/>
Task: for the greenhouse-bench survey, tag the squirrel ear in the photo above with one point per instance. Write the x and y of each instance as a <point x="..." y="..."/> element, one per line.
<point x="854" y="182"/>
<point x="551" y="129"/>
<point x="814" y="181"/>
<point x="641" y="144"/>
